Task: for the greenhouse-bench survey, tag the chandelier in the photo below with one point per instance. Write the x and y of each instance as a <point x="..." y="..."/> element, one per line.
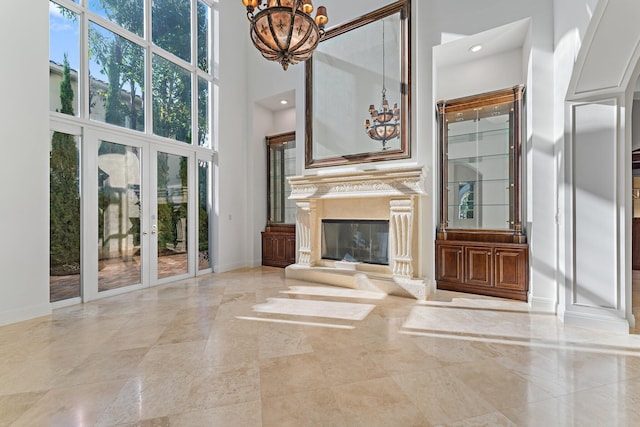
<point x="383" y="125"/>
<point x="284" y="31"/>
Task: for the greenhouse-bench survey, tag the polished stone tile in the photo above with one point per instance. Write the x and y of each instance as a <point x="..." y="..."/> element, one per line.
<point x="220" y="386"/>
<point x="14" y="405"/>
<point x="610" y="405"/>
<point x="493" y="419"/>
<point x="312" y="408"/>
<point x="70" y="406"/>
<point x="34" y="375"/>
<point x="172" y="358"/>
<point x="147" y="397"/>
<point x="247" y="414"/>
<point x="500" y="387"/>
<point x="291" y="374"/>
<point x="377" y="402"/>
<point x="441" y="397"/>
<point x="400" y="356"/>
<point x="286" y="340"/>
<point x="107" y="366"/>
<point x="251" y="348"/>
<point x="354" y="365"/>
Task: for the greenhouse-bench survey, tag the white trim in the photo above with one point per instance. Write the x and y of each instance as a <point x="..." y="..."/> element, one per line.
<point x="594" y="321"/>
<point x="543" y="305"/>
<point x="221" y="268"/>
<point x="24" y="313"/>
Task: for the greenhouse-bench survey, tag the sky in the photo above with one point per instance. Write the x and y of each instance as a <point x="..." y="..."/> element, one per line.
<point x="64" y="36"/>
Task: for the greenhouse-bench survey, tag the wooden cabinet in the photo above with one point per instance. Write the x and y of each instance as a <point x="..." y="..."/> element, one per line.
<point x="635" y="244"/>
<point x="481" y="241"/>
<point x="279" y="245"/>
<point x="449" y="267"/>
<point x="279" y="236"/>
<point x="496" y="269"/>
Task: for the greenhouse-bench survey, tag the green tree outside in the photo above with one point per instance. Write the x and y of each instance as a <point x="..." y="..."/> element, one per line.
<point x="64" y="202"/>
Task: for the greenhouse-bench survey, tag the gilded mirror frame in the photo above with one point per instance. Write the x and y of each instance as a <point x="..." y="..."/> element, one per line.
<point x="403" y="9"/>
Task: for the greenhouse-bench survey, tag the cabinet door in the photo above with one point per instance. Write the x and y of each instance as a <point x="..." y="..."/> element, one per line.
<point x="510" y="268"/>
<point x="291" y="249"/>
<point x="479" y="265"/>
<point x="449" y="263"/>
<point x="268" y="248"/>
<point x="280" y="248"/>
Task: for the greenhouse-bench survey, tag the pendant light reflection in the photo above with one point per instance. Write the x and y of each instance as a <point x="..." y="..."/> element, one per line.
<point x="384" y="124"/>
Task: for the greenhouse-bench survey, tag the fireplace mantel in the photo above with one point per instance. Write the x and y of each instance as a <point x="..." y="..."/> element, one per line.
<point x="389" y="194"/>
<point x="371" y="183"/>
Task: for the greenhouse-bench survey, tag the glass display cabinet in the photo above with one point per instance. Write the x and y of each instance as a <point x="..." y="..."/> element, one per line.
<point x="279" y="237"/>
<point x="481" y="245"/>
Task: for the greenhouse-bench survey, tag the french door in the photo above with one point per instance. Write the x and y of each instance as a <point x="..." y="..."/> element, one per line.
<point x="141" y="223"/>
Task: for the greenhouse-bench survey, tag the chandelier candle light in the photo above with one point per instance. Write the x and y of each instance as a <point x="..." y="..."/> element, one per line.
<point x="384" y="124"/>
<point x="284" y="31"/>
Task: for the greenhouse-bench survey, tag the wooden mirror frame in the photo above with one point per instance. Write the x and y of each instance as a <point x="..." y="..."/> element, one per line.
<point x="402" y="7"/>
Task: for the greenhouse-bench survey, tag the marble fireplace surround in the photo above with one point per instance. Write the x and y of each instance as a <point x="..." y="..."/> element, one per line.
<point x="389" y="194"/>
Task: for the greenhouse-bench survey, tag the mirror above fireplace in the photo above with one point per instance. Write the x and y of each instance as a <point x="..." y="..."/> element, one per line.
<point x="356" y="68"/>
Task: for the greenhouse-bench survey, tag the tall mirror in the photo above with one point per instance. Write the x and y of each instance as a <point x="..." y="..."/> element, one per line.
<point x="358" y="91"/>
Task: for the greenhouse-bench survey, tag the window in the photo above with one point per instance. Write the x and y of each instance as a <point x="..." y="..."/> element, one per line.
<point x="64" y="59"/>
<point x="64" y="218"/>
<point x="116" y="79"/>
<point x="130" y="64"/>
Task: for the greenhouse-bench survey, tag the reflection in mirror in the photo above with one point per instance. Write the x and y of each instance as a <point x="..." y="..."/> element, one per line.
<point x="281" y="164"/>
<point x="354" y="69"/>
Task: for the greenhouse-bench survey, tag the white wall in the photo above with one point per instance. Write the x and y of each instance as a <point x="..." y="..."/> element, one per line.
<point x="234" y="162"/>
<point x="484" y="75"/>
<point x="24" y="164"/>
<point x="263" y="125"/>
<point x="285" y="121"/>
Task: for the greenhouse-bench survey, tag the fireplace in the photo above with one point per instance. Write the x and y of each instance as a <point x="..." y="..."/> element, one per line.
<point x="356" y="240"/>
<point x="360" y="230"/>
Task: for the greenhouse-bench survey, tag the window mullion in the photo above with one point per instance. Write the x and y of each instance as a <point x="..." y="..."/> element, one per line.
<point x="83" y="72"/>
<point x="195" y="94"/>
<point x="148" y="95"/>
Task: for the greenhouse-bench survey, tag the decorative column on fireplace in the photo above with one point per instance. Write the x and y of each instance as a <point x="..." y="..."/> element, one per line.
<point x="303" y="231"/>
<point x="401" y="232"/>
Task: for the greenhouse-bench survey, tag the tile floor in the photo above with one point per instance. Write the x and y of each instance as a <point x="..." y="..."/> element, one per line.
<point x="249" y="348"/>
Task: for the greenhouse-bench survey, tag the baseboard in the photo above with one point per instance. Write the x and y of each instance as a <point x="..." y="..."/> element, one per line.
<point x="606" y="323"/>
<point x="543" y="305"/>
<point x="25" y="313"/>
<point x="221" y="268"/>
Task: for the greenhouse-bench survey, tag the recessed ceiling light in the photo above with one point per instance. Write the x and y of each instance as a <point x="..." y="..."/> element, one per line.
<point x="475" y="48"/>
<point x="284" y="102"/>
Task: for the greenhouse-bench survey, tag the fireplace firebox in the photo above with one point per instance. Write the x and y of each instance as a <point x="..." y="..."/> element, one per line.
<point x="356" y="240"/>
